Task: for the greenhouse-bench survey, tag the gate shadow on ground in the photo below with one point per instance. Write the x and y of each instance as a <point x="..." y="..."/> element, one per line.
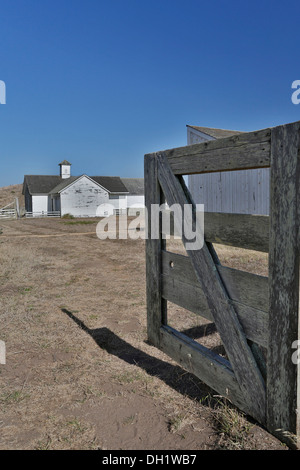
<point x="205" y="330"/>
<point x="174" y="376"/>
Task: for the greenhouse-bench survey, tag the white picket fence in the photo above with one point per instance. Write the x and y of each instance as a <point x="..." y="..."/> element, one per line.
<point x="42" y="214"/>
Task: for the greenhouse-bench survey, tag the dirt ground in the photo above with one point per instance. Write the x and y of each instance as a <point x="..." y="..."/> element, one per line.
<point x="79" y="372"/>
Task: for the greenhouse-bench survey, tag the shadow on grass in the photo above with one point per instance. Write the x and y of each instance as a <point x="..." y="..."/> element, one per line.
<point x="180" y="380"/>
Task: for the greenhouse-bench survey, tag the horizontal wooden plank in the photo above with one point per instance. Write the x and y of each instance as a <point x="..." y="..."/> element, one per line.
<point x="185" y="295"/>
<point x="246" y="288"/>
<point x="243" y="151"/>
<point x="246" y="231"/>
<point x="253" y="321"/>
<point x="240" y="230"/>
<point x="203" y="363"/>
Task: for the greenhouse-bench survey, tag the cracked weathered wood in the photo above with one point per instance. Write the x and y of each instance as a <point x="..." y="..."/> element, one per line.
<point x="242" y="151"/>
<point x="282" y="388"/>
<point x="214" y="370"/>
<point x="155" y="302"/>
<point x="225" y="318"/>
<point x="246" y="231"/>
<point x="248" y="292"/>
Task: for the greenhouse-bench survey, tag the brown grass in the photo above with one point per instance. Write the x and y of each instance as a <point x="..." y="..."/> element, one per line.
<point x="8" y="194"/>
<point x="80" y="373"/>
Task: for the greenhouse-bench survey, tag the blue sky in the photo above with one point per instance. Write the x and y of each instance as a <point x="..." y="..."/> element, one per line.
<point x="102" y="83"/>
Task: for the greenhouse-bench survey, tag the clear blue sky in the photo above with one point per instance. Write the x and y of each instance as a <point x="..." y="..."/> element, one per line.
<point x="101" y="83"/>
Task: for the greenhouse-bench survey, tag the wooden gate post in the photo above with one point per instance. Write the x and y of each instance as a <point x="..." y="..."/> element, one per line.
<point x="156" y="305"/>
<point x="283" y="401"/>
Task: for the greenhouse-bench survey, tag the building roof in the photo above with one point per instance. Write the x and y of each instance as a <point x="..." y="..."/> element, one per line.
<point x="40" y="184"/>
<point x="65" y="162"/>
<point x="135" y="186"/>
<point x="46" y="184"/>
<point x="63" y="183"/>
<point x="215" y="133"/>
<point x="112" y="184"/>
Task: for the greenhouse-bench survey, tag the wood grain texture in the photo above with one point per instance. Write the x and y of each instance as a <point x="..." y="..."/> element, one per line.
<point x="190" y="296"/>
<point x="246" y="288"/>
<point x="282" y="392"/>
<point x="239" y="230"/>
<point x="225" y="318"/>
<point x="243" y="151"/>
<point x="212" y="369"/>
<point x="155" y="303"/>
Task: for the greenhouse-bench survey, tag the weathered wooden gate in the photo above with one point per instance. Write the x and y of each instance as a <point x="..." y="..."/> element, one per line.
<point x="10" y="211"/>
<point x="257" y="317"/>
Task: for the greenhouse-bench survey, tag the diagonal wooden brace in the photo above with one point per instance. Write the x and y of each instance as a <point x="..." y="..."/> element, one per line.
<point x="239" y="353"/>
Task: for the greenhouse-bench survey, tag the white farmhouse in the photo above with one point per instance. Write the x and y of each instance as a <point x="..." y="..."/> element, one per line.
<point x="136" y="195"/>
<point x="241" y="191"/>
<point x="81" y="196"/>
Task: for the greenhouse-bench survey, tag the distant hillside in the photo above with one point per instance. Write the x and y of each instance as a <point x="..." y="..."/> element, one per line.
<point x="9" y="193"/>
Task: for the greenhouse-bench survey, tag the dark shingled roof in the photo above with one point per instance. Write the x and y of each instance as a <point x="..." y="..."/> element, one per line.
<point x="40" y="184"/>
<point x="135" y="186"/>
<point x="112" y="183"/>
<point x="216" y="133"/>
<point x="65" y="162"/>
<point x="62" y="184"/>
<point x="45" y="184"/>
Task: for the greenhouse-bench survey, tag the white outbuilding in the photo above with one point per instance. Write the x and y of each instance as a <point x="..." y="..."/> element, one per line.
<point x="241" y="191"/>
<point x="81" y="196"/>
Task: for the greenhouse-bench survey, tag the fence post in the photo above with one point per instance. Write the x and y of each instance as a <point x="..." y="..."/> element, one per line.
<point x="156" y="305"/>
<point x="282" y="373"/>
<point x="17" y="208"/>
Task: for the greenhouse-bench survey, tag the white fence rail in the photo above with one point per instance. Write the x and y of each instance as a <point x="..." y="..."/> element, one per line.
<point x="10" y="211"/>
<point x="8" y="214"/>
<point x="42" y="214"/>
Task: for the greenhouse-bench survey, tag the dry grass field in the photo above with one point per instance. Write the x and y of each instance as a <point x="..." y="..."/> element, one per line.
<point x="79" y="372"/>
<point x="9" y="193"/>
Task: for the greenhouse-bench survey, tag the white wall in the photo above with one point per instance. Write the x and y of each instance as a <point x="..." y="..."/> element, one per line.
<point x="242" y="191"/>
<point x="137" y="201"/>
<point x="65" y="171"/>
<point x="85" y="198"/>
<point x="82" y="198"/>
<point x="40" y="202"/>
<point x="196" y="137"/>
<point x="119" y="202"/>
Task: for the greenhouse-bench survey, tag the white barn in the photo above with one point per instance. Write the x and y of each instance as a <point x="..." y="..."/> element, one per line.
<point x="81" y="196"/>
<point x="241" y="191"/>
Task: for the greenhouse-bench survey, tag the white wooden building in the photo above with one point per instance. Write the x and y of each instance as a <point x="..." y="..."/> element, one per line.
<point x="136" y="195"/>
<point x="241" y="191"/>
<point x="81" y="196"/>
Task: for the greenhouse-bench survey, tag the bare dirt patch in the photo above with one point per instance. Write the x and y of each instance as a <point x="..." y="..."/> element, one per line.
<point x="80" y="373"/>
